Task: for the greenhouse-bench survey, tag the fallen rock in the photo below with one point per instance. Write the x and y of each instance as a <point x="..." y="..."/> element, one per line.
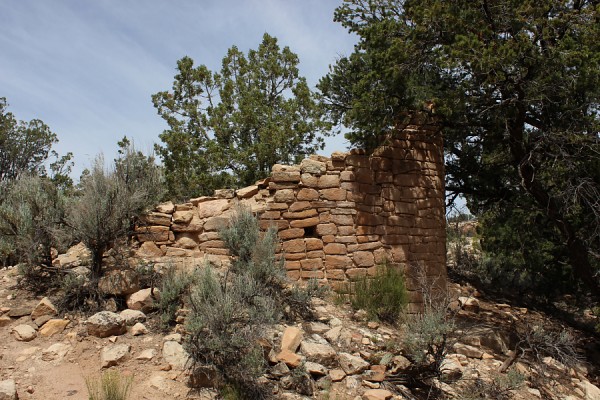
<point x="143" y="300"/>
<point x="139" y="329"/>
<point x="24" y="333"/>
<point x="5" y="320"/>
<point x="175" y="355"/>
<point x="40" y="321"/>
<point x="316" y="327"/>
<point x="337" y="375"/>
<point x="146" y="355"/>
<point x="44" y="307"/>
<point x="119" y="282"/>
<point x="315" y="368"/>
<point x="8" y="390"/>
<point x="292" y="336"/>
<point x="333" y="334"/>
<point x="291" y="359"/>
<point x="318" y="352"/>
<point x="19" y="312"/>
<point x="592" y="392"/>
<point x="105" y="324"/>
<point x="377" y="394"/>
<point x="56" y="352"/>
<point x="54" y="326"/>
<point x="112" y="355"/>
<point x="469" y="351"/>
<point x="131" y="317"/>
<point x="352" y="364"/>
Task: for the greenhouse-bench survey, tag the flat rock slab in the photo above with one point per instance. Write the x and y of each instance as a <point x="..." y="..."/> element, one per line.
<point x="8" y="390"/>
<point x="24" y="333"/>
<point x="112" y="355"/>
<point x="19" y="312"/>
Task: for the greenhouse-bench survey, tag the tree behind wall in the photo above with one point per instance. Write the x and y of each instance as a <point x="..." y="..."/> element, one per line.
<point x="25" y="147"/>
<point x="110" y="199"/>
<point x="228" y="128"/>
<point x="516" y="86"/>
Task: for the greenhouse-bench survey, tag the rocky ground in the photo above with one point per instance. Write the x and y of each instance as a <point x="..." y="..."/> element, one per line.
<point x="47" y="356"/>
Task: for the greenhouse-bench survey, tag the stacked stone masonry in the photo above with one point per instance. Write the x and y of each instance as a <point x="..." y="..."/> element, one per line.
<point x="338" y="217"/>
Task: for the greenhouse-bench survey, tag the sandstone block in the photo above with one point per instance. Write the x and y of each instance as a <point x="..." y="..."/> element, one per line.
<point x="300" y="214"/>
<point x="335" y="248"/>
<point x="292" y="336"/>
<point x="326" y="229"/>
<point x="247" y="192"/>
<point x="149" y="250"/>
<point x="313" y="244"/>
<point x="351" y="239"/>
<point x="294" y="246"/>
<point x="152" y="233"/>
<point x="292" y="233"/>
<point x="339" y="156"/>
<point x="285" y="176"/>
<point x="328" y="181"/>
<point x="337" y="262"/>
<point x="276" y="224"/>
<point x="212" y="208"/>
<point x="194" y="225"/>
<point x="313" y="166"/>
<point x="334" y="194"/>
<point x="183" y="217"/>
<point x="312" y="264"/>
<point x="215" y="223"/>
<point x="312" y="274"/>
<point x="307" y="194"/>
<point x="284" y="196"/>
<point x="44" y="307"/>
<point x="347" y="176"/>
<point x="315" y="254"/>
<point x="336" y="274"/>
<point x="304" y="223"/>
<point x="166" y="208"/>
<point x="224" y="193"/>
<point x="53" y="326"/>
<point x="364" y="258"/>
<point x="292" y="265"/>
<point x="157" y="218"/>
<point x="309" y="180"/>
<point x="186" y="242"/>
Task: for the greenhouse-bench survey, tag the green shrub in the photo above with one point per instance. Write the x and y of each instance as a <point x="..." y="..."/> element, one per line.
<point x="112" y="385"/>
<point x="426" y="337"/>
<point x="383" y="296"/>
<point x="175" y="284"/>
<point x="227" y="318"/>
<point x="230" y="311"/>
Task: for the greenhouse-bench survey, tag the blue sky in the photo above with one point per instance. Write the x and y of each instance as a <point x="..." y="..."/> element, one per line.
<point x="88" y="68"/>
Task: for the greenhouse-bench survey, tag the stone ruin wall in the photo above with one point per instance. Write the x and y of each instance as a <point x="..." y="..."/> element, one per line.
<point x="337" y="217"/>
